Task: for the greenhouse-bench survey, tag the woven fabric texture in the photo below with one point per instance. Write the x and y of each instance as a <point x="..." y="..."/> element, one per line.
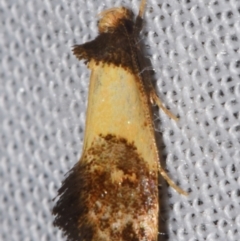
<point x="193" y="46"/>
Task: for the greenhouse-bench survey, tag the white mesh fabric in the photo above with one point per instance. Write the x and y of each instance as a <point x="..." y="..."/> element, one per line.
<point x="194" y="50"/>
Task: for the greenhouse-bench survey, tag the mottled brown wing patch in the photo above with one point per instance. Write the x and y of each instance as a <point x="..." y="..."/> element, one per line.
<point x="109" y="195"/>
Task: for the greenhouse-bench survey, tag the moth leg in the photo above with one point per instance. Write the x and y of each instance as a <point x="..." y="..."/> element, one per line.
<point x="155" y="99"/>
<point x="170" y="182"/>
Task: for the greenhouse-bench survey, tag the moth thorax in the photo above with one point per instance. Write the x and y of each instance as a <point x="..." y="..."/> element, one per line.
<point x="111" y="18"/>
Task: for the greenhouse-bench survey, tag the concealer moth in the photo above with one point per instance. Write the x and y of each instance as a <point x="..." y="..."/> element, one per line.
<point x="111" y="194"/>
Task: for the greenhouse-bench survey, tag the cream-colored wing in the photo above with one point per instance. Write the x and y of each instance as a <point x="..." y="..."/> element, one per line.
<point x="114" y="186"/>
<point x="118" y="105"/>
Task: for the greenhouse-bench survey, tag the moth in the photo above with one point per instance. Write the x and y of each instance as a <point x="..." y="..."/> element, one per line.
<point x="112" y="192"/>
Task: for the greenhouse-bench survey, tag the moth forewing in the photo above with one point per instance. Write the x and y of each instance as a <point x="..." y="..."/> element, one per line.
<point x="121" y="153"/>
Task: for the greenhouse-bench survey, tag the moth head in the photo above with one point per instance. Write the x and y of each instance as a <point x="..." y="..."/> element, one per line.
<point x="111" y="18"/>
